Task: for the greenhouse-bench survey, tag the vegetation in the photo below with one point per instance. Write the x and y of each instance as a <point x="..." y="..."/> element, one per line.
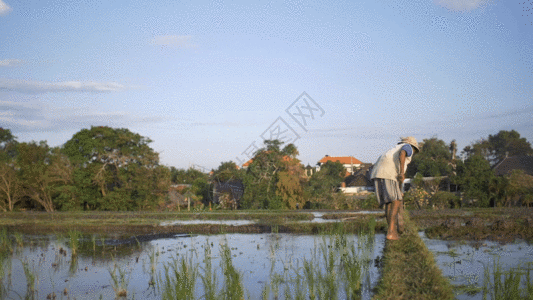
<point x="508" y="285"/>
<point x="272" y="179"/>
<point x="114" y="169"/>
<point x="410" y="271"/>
<point x="497" y="147"/>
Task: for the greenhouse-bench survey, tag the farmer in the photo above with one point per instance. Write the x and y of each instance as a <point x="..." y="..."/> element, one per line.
<point x="388" y="174"/>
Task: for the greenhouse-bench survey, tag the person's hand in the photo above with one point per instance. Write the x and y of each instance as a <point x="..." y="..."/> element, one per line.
<point x="401" y="178"/>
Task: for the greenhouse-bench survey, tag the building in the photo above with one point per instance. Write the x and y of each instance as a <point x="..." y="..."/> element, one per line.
<point x="518" y="162"/>
<point x="350" y="163"/>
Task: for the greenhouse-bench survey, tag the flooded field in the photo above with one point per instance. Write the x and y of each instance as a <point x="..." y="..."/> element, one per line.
<point x="485" y="267"/>
<point x="264" y="265"/>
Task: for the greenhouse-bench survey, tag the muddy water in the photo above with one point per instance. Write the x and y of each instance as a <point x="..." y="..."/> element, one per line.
<point x="464" y="263"/>
<point x="87" y="276"/>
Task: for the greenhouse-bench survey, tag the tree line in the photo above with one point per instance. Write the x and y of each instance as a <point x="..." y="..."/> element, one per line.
<point x="473" y="172"/>
<point x="104" y="168"/>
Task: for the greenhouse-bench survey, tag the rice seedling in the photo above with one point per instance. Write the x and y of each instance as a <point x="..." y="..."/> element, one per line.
<point x="73" y="267"/>
<point x="19" y="240"/>
<point x="233" y="288"/>
<point x="30" y="280"/>
<point x="93" y="241"/>
<point x="180" y="279"/>
<point x="209" y="279"/>
<point x="351" y="271"/>
<point x="154" y="260"/>
<point x="507" y="285"/>
<point x="119" y="281"/>
<point x="5" y="242"/>
<point x="4" y="260"/>
<point x="74" y="242"/>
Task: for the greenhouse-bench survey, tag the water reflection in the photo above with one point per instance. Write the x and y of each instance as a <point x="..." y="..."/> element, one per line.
<point x="101" y="269"/>
<point x="465" y="262"/>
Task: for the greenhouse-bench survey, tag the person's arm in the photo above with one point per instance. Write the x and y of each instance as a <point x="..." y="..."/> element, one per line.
<point x="401" y="176"/>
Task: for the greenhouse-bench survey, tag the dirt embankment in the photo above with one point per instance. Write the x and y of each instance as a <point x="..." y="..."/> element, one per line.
<point x="497" y="224"/>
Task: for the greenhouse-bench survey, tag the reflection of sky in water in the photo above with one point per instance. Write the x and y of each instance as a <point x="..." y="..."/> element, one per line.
<point x="253" y="255"/>
<point x="464" y="264"/>
<point x="318" y="218"/>
<point x="208" y="222"/>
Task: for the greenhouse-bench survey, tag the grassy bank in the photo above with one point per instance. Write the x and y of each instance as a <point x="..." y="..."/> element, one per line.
<point x="124" y="224"/>
<point x="497" y="224"/>
<point x="410" y="271"/>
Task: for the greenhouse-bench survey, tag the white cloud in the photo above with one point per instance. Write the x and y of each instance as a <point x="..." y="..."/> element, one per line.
<point x="462" y="5"/>
<point x="26" y="86"/>
<point x="4" y="8"/>
<point x="174" y="41"/>
<point x="34" y="116"/>
<point x="10" y="62"/>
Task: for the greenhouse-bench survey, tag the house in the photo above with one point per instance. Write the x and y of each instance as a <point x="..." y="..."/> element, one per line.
<point x="359" y="181"/>
<point x="350" y="163"/>
<point x="518" y="162"/>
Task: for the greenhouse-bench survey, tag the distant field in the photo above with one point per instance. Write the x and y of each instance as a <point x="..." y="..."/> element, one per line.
<point x="133" y="223"/>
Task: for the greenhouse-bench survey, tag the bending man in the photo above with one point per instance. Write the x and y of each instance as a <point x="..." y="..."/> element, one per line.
<point x="388" y="174"/>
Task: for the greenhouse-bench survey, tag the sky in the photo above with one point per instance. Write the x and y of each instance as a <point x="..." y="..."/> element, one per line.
<point x="208" y="81"/>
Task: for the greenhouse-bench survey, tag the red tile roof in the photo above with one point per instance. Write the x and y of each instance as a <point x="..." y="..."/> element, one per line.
<point x="345" y="160"/>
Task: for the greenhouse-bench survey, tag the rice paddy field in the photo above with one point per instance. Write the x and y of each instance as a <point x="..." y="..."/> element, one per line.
<point x="265" y="255"/>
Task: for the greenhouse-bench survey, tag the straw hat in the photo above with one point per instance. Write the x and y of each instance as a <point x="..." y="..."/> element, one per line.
<point x="411" y="141"/>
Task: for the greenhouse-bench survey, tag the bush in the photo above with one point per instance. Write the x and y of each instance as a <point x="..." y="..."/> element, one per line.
<point x="369" y="203"/>
<point x="443" y="200"/>
<point x="416" y="198"/>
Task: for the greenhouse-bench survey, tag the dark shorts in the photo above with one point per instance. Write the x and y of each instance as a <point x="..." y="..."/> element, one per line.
<point x="387" y="191"/>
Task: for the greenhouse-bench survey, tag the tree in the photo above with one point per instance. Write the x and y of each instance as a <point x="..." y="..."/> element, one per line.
<point x="7" y="143"/>
<point x="182" y="176"/>
<point x="43" y="171"/>
<point x="263" y="174"/>
<point x="498" y="146"/>
<point x="323" y="184"/>
<point x="10" y="186"/>
<point x="113" y="167"/>
<point x="520" y="187"/>
<point x="433" y="161"/>
<point x="475" y="177"/>
<point x="227" y="171"/>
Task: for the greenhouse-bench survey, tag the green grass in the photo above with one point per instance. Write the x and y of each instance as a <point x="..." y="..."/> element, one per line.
<point x="507" y="285"/>
<point x="180" y="279"/>
<point x="119" y="281"/>
<point x="209" y="278"/>
<point x="232" y="285"/>
<point x="30" y="280"/>
<point x="74" y="241"/>
<point x="410" y="271"/>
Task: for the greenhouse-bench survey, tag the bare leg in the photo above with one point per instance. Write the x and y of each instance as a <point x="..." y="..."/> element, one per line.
<point x="392" y="233"/>
<point x="387" y="212"/>
<point x="401" y="223"/>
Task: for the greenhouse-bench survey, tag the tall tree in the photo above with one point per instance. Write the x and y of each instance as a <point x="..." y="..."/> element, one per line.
<point x="10" y="186"/>
<point x="475" y="177"/>
<point x="262" y="176"/>
<point x="496" y="147"/>
<point x="43" y="171"/>
<point x="182" y="176"/>
<point x="434" y="160"/>
<point x="227" y="171"/>
<point x="325" y="182"/>
<point x="115" y="162"/>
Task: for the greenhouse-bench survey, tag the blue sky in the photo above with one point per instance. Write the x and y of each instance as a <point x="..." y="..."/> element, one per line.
<point x="206" y="81"/>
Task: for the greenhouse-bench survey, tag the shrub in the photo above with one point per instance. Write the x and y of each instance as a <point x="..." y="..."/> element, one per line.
<point x="416" y="198"/>
<point x="369" y="203"/>
<point x="443" y="199"/>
